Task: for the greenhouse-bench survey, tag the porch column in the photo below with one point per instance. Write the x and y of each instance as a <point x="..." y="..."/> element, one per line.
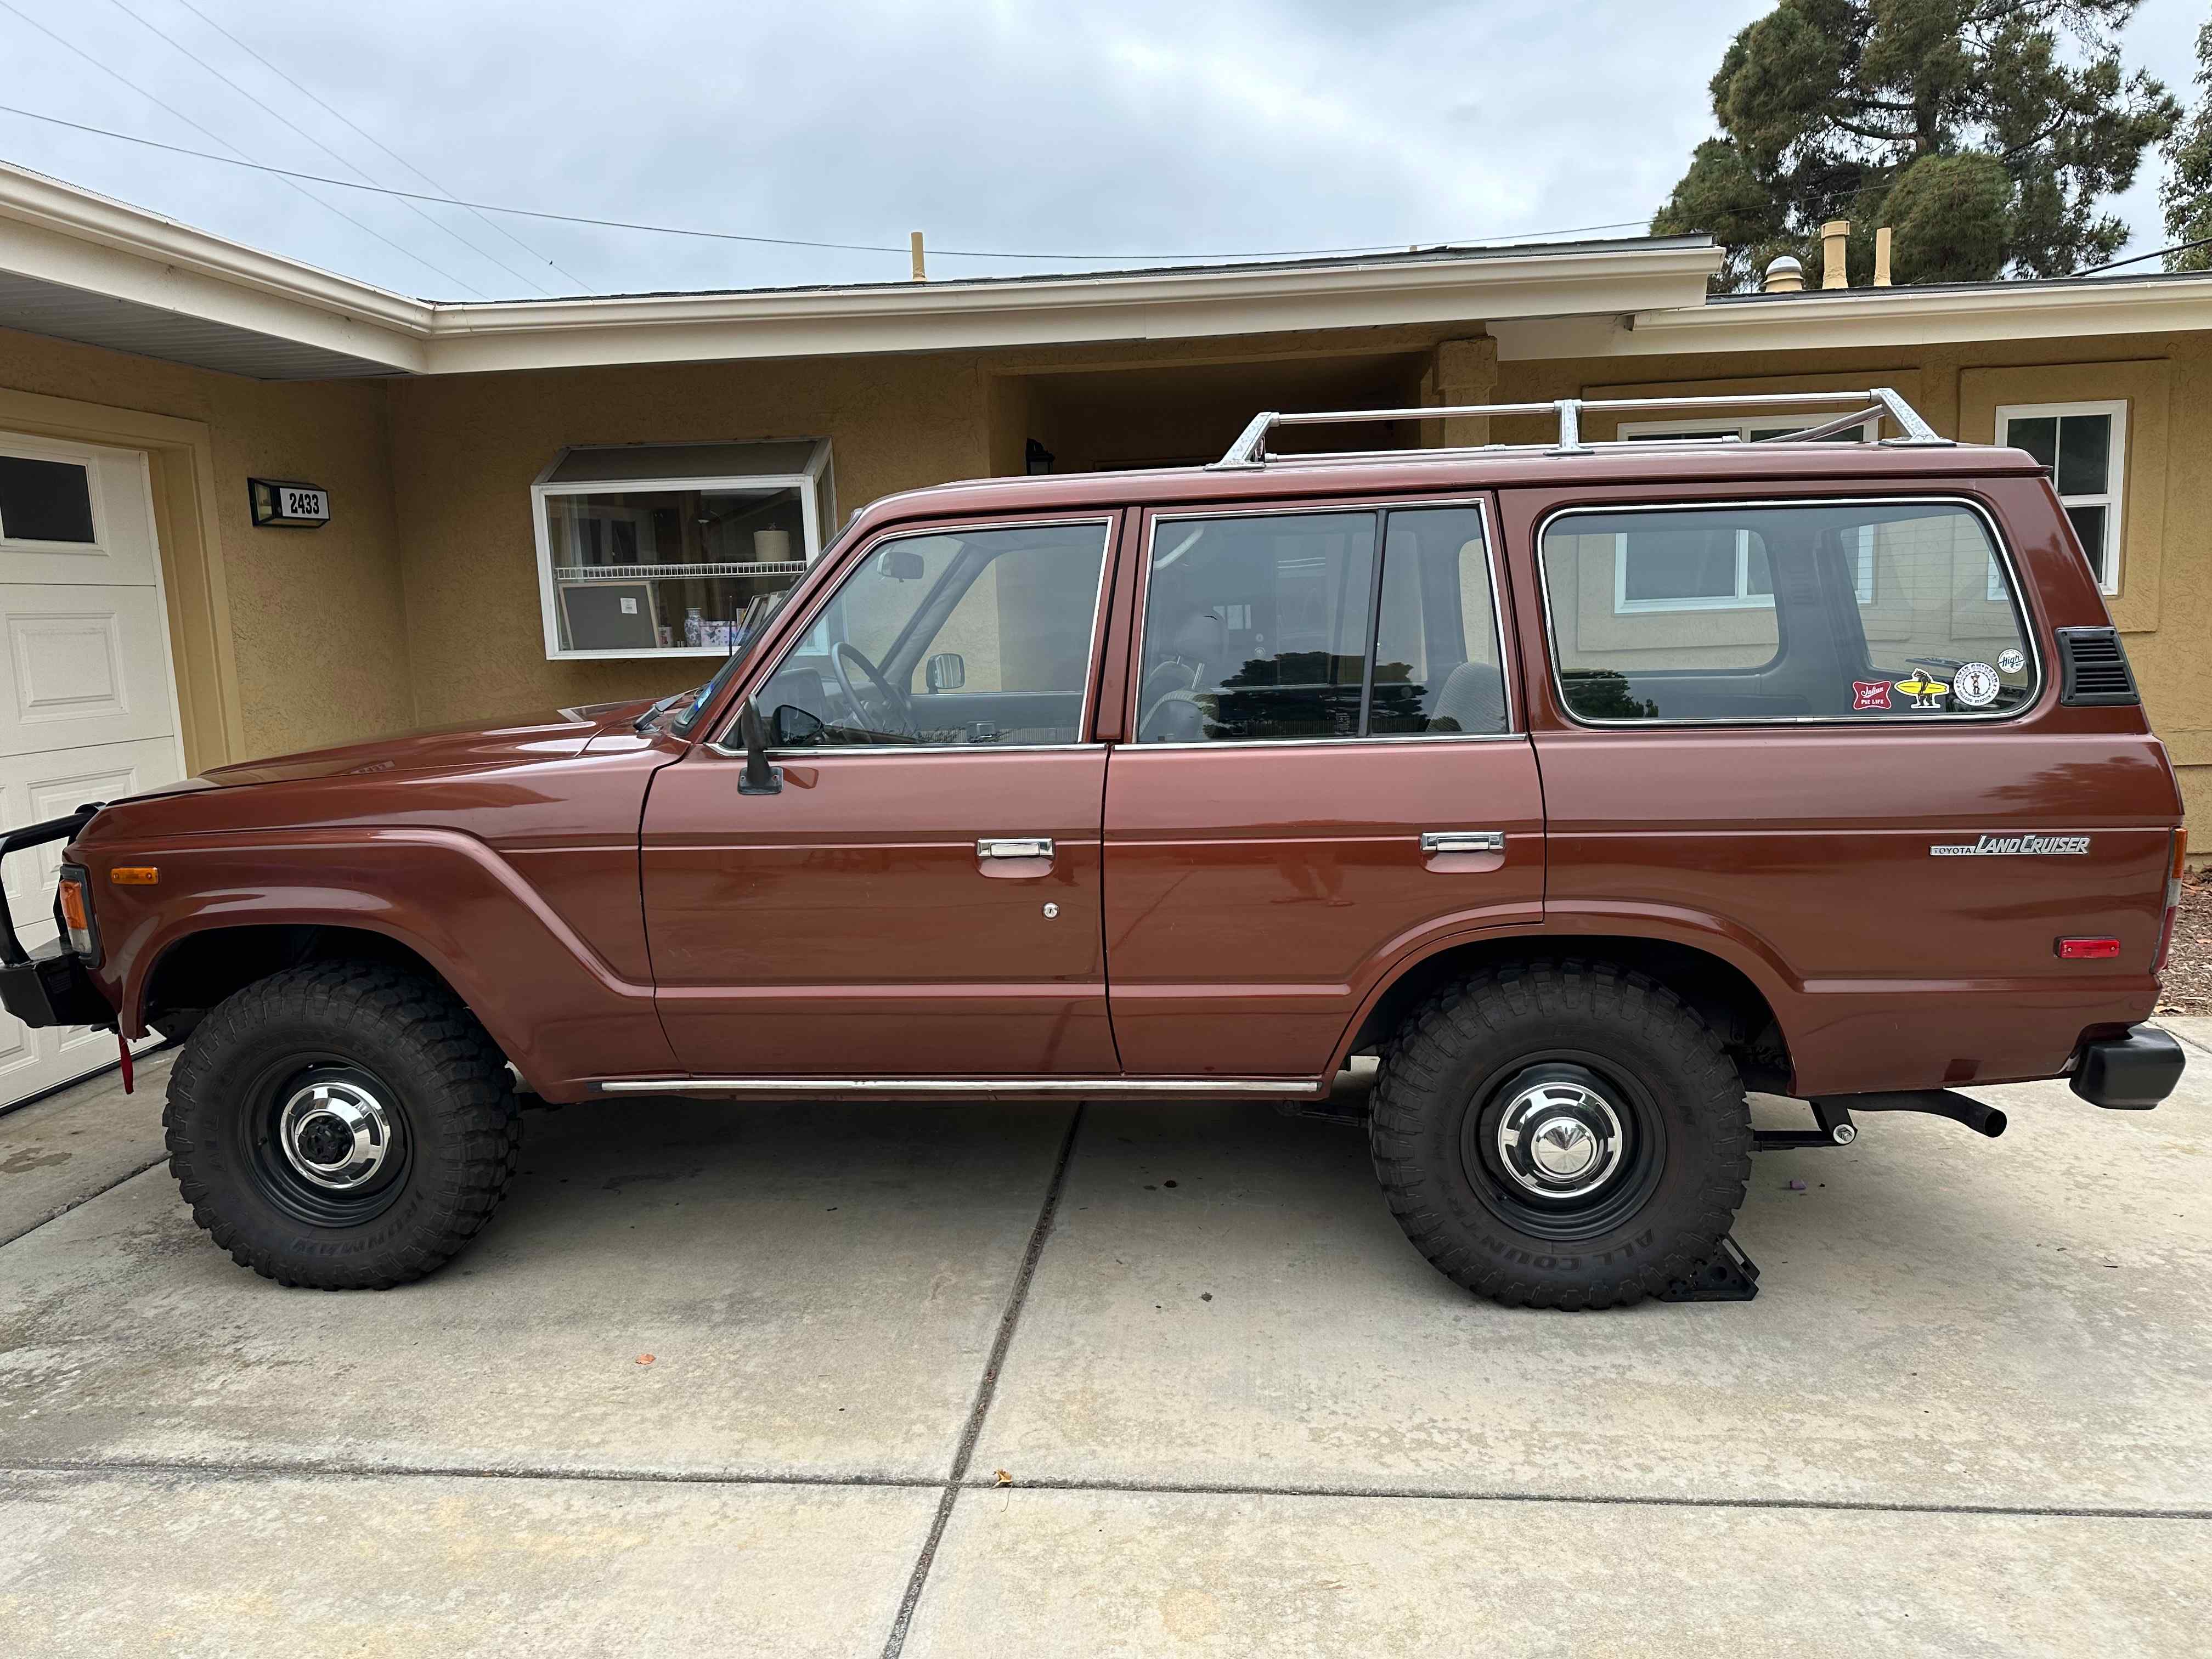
<point x="1459" y="372"/>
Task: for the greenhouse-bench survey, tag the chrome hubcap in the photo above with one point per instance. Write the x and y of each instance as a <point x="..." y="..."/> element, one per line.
<point x="1560" y="1140"/>
<point x="335" y="1135"/>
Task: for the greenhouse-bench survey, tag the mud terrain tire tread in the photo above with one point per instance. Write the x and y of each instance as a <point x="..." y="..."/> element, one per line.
<point x="467" y="1128"/>
<point x="1419" y="1099"/>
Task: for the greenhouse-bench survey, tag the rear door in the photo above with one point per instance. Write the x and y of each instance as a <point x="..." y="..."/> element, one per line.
<point x="1326" y="773"/>
<point x="1821" y="737"/>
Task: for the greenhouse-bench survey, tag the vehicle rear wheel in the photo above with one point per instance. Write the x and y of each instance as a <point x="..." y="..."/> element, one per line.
<point x="345" y="1125"/>
<point x="1560" y="1134"/>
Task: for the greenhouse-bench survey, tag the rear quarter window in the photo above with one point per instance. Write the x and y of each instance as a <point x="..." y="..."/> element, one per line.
<point x="1858" y="610"/>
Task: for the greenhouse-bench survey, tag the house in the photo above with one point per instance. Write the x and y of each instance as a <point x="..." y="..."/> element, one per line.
<point x="540" y="504"/>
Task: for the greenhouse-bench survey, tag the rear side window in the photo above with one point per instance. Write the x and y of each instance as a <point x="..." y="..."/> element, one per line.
<point x="1322" y="625"/>
<point x="1834" y="610"/>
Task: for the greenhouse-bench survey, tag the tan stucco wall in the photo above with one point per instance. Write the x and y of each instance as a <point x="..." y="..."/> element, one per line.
<point x="310" y="621"/>
<point x="466" y="449"/>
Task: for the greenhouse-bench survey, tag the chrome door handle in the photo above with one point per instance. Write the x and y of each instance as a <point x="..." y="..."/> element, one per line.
<point x="1020" y="847"/>
<point x="1462" y="840"/>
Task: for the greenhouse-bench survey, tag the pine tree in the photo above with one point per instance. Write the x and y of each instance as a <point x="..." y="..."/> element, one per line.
<point x="2187" y="195"/>
<point x="1965" y="125"/>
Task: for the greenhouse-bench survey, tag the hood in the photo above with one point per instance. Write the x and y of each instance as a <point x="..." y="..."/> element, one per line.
<point x="557" y="736"/>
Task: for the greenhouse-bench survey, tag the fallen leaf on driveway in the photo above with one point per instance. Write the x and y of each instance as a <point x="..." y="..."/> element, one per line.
<point x="1000" y="1477"/>
<point x="645" y="1359"/>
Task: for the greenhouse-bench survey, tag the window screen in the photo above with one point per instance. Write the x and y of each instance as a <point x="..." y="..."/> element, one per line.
<point x="1837" y="610"/>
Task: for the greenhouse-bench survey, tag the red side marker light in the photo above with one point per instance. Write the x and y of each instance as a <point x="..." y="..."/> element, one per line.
<point x="2087" y="950"/>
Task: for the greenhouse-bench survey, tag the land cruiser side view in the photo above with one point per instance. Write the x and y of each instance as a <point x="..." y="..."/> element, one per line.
<point x="1585" y="785"/>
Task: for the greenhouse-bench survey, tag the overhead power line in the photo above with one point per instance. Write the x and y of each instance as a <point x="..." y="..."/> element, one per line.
<point x="154" y="28"/>
<point x="117" y="75"/>
<point x="773" y="241"/>
<point x="339" y="114"/>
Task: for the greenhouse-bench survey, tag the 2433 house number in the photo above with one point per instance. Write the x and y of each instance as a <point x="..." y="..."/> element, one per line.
<point x="279" y="503"/>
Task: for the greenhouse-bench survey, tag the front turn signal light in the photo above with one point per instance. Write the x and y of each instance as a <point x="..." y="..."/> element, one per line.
<point x="73" y="900"/>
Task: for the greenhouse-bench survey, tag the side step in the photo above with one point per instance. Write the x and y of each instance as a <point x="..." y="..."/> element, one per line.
<point x="1833" y="1112"/>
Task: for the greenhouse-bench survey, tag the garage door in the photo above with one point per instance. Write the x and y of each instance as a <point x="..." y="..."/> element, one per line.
<point x="88" y="707"/>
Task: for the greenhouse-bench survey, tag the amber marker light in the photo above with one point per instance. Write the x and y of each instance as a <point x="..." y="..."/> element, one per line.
<point x="134" y="875"/>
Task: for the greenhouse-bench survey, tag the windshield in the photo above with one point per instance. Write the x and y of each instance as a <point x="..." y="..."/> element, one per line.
<point x="691" y="704"/>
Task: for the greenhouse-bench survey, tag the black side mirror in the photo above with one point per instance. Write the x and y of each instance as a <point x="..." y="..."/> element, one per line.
<point x="945" y="672"/>
<point x="795" y="728"/>
<point x="758" y="778"/>
<point x="901" y="564"/>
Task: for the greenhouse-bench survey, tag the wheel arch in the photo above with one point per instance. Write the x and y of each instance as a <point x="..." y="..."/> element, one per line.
<point x="1727" y="996"/>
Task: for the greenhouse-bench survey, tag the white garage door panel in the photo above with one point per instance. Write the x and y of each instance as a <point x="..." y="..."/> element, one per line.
<point x="85" y="666"/>
<point x="122" y="546"/>
<point x="88" y="707"/>
<point x="36" y="787"/>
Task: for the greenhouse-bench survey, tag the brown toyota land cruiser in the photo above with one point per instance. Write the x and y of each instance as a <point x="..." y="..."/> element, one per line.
<point x="1584" y="785"/>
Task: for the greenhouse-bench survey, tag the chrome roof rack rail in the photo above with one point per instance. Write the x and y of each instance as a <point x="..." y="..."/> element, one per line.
<point x="1876" y="403"/>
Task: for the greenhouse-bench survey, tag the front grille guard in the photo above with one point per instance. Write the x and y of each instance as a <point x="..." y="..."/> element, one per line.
<point x="12" y="953"/>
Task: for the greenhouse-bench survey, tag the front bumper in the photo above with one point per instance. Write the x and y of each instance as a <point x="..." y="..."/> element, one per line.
<point x="51" y="987"/>
<point x="2131" y="1074"/>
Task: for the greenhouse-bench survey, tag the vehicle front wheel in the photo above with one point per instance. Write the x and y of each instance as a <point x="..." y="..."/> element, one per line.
<point x="345" y="1125"/>
<point x="1561" y="1135"/>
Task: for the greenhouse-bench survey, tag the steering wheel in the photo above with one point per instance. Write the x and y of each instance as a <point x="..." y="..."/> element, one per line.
<point x="895" y="717"/>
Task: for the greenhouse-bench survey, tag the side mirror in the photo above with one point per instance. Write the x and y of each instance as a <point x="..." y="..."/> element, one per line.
<point x="901" y="564"/>
<point x="945" y="672"/>
<point x="759" y="778"/>
<point x="794" y="728"/>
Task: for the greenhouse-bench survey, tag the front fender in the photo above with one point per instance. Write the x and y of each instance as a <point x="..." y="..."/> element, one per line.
<point x="557" y="1008"/>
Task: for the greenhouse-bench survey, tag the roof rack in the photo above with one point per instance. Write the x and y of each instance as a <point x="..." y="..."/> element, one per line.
<point x="1250" y="449"/>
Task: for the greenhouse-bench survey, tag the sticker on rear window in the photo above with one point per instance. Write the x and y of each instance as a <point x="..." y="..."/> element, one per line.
<point x="1925" y="690"/>
<point x="1869" y="694"/>
<point x="1976" y="684"/>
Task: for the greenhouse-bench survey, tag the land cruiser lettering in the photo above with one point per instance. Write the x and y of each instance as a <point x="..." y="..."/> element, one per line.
<point x="1572" y="791"/>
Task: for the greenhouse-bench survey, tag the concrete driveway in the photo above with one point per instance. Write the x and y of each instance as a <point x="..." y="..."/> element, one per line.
<point x="1234" y="1413"/>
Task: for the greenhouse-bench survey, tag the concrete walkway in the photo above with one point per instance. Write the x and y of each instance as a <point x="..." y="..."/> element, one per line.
<point x="1234" y="1413"/>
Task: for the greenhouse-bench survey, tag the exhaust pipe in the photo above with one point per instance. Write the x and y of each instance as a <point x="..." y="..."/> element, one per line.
<point x="1936" y="1102"/>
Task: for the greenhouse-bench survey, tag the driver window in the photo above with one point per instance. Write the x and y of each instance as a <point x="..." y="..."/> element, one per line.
<point x="952" y="638"/>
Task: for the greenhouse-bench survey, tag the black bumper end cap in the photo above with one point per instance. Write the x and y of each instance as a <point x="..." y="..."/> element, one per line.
<point x="52" y="988"/>
<point x="2131" y="1073"/>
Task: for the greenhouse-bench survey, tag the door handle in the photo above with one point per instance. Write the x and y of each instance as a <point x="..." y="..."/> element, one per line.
<point x="1462" y="840"/>
<point x="1019" y="847"/>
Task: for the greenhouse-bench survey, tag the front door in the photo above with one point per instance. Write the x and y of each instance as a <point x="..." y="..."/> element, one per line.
<point x="1327" y="775"/>
<point x="920" y="898"/>
<point x="88" y="711"/>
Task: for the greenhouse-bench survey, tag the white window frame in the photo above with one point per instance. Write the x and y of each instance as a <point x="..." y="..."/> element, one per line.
<point x="808" y="483"/>
<point x="1742" y="598"/>
<point x="2106" y="569"/>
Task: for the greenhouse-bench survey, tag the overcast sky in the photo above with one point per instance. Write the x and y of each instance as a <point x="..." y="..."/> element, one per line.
<point x="1079" y="136"/>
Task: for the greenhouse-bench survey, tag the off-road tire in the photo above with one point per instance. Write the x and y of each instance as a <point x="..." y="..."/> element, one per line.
<point x="448" y="1087"/>
<point x="1458" y="1054"/>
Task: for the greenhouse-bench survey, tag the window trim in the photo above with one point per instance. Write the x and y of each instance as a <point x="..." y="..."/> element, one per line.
<point x="1515" y="732"/>
<point x="2106" y="571"/>
<point x="1108" y="522"/>
<point x="2020" y="602"/>
<point x="806" y="483"/>
<point x="1742" y="598"/>
<point x="28" y="448"/>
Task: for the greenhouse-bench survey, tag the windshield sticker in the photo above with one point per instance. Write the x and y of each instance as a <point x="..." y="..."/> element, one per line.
<point x="1869" y="694"/>
<point x="1925" y="690"/>
<point x="2012" y="659"/>
<point x="2031" y="846"/>
<point x="1976" y="684"/>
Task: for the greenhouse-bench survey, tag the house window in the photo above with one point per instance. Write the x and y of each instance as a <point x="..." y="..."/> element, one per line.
<point x="1702" y="569"/>
<point x="657" y="550"/>
<point x="2084" y="446"/>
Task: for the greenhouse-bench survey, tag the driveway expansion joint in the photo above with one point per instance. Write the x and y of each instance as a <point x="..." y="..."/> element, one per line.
<point x="79" y="1203"/>
<point x="987" y="1387"/>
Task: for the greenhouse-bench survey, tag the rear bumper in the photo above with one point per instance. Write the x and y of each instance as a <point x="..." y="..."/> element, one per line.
<point x="51" y="987"/>
<point x="2131" y="1073"/>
